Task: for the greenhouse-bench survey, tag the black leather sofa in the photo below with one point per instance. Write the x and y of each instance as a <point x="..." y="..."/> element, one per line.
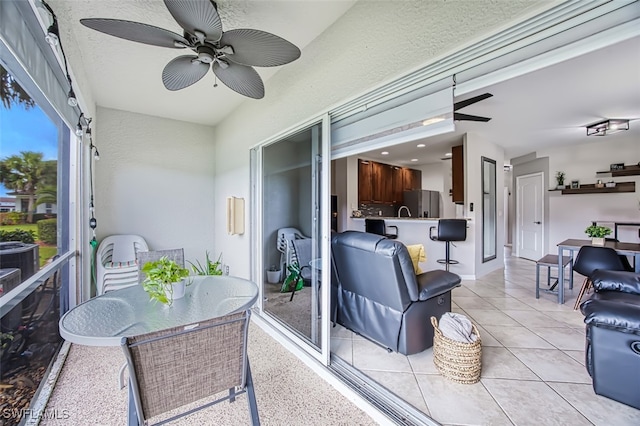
<point x="612" y="316"/>
<point x="379" y="295"/>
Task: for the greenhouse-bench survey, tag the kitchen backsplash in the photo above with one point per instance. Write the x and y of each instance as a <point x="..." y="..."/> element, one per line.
<point x="376" y="209"/>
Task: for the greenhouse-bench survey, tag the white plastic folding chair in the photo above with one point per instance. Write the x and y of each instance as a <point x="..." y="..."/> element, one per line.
<point x="285" y="236"/>
<point x="116" y="265"/>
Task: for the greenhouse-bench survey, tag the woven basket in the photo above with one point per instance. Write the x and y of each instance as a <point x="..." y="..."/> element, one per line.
<point x="457" y="361"/>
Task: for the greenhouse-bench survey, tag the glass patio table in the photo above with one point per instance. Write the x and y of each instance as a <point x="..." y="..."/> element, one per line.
<point x="106" y="319"/>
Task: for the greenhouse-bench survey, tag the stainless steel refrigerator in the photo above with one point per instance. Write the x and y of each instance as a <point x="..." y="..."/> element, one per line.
<point x="422" y="203"/>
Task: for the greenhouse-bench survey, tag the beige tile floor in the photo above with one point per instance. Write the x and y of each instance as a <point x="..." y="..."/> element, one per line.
<point x="532" y="361"/>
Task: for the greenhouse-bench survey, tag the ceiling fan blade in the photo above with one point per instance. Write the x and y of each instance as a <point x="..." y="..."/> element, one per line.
<point x="467" y="102"/>
<point x="183" y="71"/>
<point x="240" y="78"/>
<point x="258" y="48"/>
<point x="197" y="16"/>
<point x="136" y="31"/>
<point x="466" y="117"/>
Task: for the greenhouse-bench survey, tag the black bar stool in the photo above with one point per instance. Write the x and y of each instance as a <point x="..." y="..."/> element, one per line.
<point x="378" y="226"/>
<point x="449" y="230"/>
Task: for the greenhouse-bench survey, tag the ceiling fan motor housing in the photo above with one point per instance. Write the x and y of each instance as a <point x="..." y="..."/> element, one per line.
<point x="206" y="54"/>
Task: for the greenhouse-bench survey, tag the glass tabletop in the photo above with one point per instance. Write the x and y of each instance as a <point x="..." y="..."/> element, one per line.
<point x="104" y="320"/>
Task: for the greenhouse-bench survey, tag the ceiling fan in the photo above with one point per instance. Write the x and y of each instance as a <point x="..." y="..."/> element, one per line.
<point x="230" y="54"/>
<point x="466" y="117"/>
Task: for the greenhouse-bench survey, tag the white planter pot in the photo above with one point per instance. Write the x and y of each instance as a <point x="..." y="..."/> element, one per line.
<point x="178" y="291"/>
<point x="597" y="241"/>
<point x="273" y="277"/>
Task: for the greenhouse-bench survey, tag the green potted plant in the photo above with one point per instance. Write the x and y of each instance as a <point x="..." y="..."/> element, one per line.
<point x="597" y="234"/>
<point x="560" y="180"/>
<point x="165" y="281"/>
<point x="209" y="268"/>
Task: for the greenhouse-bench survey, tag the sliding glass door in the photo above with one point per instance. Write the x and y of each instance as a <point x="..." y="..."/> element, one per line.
<point x="293" y="218"/>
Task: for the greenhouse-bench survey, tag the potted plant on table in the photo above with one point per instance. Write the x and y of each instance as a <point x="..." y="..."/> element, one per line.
<point x="165" y="281"/>
<point x="597" y="234"/>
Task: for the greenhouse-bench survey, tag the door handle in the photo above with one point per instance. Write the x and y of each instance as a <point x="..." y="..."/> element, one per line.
<point x="537" y="223"/>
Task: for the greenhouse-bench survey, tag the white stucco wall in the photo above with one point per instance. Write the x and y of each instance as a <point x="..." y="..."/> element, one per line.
<point x="155" y="179"/>
<point x="374" y="42"/>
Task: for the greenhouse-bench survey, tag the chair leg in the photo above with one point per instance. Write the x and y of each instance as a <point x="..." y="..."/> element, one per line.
<point x="585" y="286"/>
<point x="251" y="397"/>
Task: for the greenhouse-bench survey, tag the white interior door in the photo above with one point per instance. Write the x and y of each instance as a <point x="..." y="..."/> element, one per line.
<point x="530" y="216"/>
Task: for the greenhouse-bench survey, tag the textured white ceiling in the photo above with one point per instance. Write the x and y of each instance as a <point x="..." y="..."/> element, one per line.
<point x="126" y="75"/>
<point x="541" y="109"/>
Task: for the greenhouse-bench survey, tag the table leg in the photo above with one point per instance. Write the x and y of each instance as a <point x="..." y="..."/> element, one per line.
<point x="537" y="281"/>
<point x="560" y="276"/>
<point x="571" y="272"/>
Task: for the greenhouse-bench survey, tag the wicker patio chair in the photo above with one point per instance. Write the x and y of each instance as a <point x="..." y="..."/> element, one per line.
<point x="174" y="367"/>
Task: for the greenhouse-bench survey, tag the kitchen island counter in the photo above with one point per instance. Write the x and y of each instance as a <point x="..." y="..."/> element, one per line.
<point x="415" y="230"/>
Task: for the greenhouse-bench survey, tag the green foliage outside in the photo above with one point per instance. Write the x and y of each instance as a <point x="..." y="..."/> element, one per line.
<point x="22" y="235"/>
<point x="46" y="253"/>
<point x="48" y="231"/>
<point x="11" y="93"/>
<point x="29" y="175"/>
<point x="13" y="218"/>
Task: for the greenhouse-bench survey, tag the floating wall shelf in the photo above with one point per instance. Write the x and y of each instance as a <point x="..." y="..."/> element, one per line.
<point x="591" y="189"/>
<point x="632" y="170"/>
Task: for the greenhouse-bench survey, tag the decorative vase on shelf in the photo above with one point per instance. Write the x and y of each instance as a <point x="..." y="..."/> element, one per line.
<point x="597" y="241"/>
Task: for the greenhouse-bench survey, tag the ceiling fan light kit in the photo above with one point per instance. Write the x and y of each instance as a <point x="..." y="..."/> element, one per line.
<point x="607" y="127"/>
<point x="231" y="55"/>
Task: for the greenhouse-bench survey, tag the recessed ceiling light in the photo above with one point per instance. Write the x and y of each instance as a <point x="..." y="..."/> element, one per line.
<point x="385" y="153"/>
<point x="414" y="159"/>
<point x="448" y="154"/>
<point x="421" y="145"/>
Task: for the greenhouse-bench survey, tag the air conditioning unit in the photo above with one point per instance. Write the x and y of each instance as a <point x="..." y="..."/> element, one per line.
<point x="15" y="254"/>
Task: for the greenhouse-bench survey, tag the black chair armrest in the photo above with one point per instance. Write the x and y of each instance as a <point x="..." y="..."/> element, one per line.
<point x="613" y="313"/>
<point x="435" y="283"/>
<point x="393" y="226"/>
<point x="623" y="281"/>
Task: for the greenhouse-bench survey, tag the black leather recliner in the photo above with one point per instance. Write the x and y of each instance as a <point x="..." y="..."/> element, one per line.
<point x="612" y="315"/>
<point x="381" y="298"/>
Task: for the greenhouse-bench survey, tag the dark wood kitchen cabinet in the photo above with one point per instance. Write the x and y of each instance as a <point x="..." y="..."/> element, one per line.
<point x="397" y="183"/>
<point x="457" y="174"/>
<point x="365" y="188"/>
<point x="381" y="183"/>
<point x="412" y="179"/>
